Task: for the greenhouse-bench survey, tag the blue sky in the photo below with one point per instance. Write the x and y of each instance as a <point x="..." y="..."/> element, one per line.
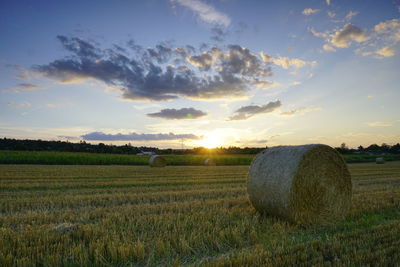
<point x="210" y="73"/>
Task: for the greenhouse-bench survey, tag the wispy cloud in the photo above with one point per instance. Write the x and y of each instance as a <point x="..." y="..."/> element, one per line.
<point x="247" y="112"/>
<point x="299" y="111"/>
<point x="28" y="86"/>
<point x="328" y="2"/>
<point x="23" y="87"/>
<point x="331" y="14"/>
<point x="285" y="62"/>
<point x="327" y="47"/>
<point x="379" y="124"/>
<point x="23" y="104"/>
<point x="100" y="136"/>
<point x="386" y="51"/>
<point x="350" y="15"/>
<point x="309" y="11"/>
<point x="205" y="12"/>
<point x="178" y="114"/>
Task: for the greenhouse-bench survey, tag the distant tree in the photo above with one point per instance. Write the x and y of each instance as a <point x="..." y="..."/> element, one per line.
<point x="343" y="146"/>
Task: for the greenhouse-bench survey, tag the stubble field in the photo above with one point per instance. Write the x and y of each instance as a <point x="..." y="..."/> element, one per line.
<point x="182" y="215"/>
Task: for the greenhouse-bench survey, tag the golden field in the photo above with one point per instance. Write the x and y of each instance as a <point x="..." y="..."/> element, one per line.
<point x="182" y="215"/>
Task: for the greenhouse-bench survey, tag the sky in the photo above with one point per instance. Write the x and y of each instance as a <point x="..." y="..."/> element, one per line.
<point x="189" y="73"/>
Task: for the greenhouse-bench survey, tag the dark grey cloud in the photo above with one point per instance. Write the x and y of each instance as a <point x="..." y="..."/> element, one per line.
<point x="239" y="60"/>
<point x="178" y="114"/>
<point x="100" y="136"/>
<point x="204" y="61"/>
<point x="153" y="73"/>
<point x="80" y="47"/>
<point x="246" y="112"/>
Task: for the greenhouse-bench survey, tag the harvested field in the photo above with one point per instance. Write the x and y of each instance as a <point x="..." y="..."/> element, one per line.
<point x="186" y="215"/>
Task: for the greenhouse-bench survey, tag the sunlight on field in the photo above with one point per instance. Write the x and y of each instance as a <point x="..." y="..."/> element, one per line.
<point x="136" y="215"/>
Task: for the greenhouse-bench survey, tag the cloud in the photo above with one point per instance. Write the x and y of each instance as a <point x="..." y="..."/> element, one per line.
<point x="341" y="38"/>
<point x="379" y="124"/>
<point x="264" y="84"/>
<point x="381" y="41"/>
<point x="328" y="2"/>
<point x="22" y="73"/>
<point x="299" y="111"/>
<point x="386" y="51"/>
<point x="68" y="137"/>
<point x="23" y="87"/>
<point x="218" y="34"/>
<point x="387" y="26"/>
<point x="309" y="11"/>
<point x="23" y="104"/>
<point x="331" y="14"/>
<point x="385" y="38"/>
<point x="162" y="72"/>
<point x="28" y="86"/>
<point x="100" y="136"/>
<point x="350" y="32"/>
<point x="389" y="31"/>
<point x="246" y="112"/>
<point x="205" y="12"/>
<point x="204" y="61"/>
<point x="327" y="47"/>
<point x="178" y="114"/>
<point x="314" y="33"/>
<point x="351" y="14"/>
<point x="285" y="62"/>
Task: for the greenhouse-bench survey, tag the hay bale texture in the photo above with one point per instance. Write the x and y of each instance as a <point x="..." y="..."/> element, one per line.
<point x="379" y="160"/>
<point x="304" y="184"/>
<point x="210" y="162"/>
<point x="157" y="161"/>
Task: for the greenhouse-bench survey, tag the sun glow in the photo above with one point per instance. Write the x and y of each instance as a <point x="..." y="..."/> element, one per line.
<point x="211" y="140"/>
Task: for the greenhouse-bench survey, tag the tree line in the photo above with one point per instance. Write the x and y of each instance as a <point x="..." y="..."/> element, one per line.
<point x="82" y="146"/>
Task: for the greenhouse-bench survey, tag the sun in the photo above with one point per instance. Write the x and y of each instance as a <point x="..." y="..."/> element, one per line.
<point x="211" y="140"/>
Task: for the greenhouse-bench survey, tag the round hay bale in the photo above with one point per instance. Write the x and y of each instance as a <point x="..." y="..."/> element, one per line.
<point x="380" y="160"/>
<point x="210" y="162"/>
<point x="157" y="161"/>
<point x="304" y="184"/>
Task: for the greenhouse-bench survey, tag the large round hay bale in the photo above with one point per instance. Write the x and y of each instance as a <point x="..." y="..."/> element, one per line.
<point x="210" y="162"/>
<point x="157" y="161"/>
<point x="304" y="184"/>
<point x="380" y="160"/>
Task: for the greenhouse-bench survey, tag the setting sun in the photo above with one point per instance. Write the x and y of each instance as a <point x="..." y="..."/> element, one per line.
<point x="211" y="140"/>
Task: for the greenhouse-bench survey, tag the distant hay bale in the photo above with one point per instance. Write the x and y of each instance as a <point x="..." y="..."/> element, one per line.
<point x="304" y="184"/>
<point x="380" y="160"/>
<point x="210" y="162"/>
<point x="157" y="161"/>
